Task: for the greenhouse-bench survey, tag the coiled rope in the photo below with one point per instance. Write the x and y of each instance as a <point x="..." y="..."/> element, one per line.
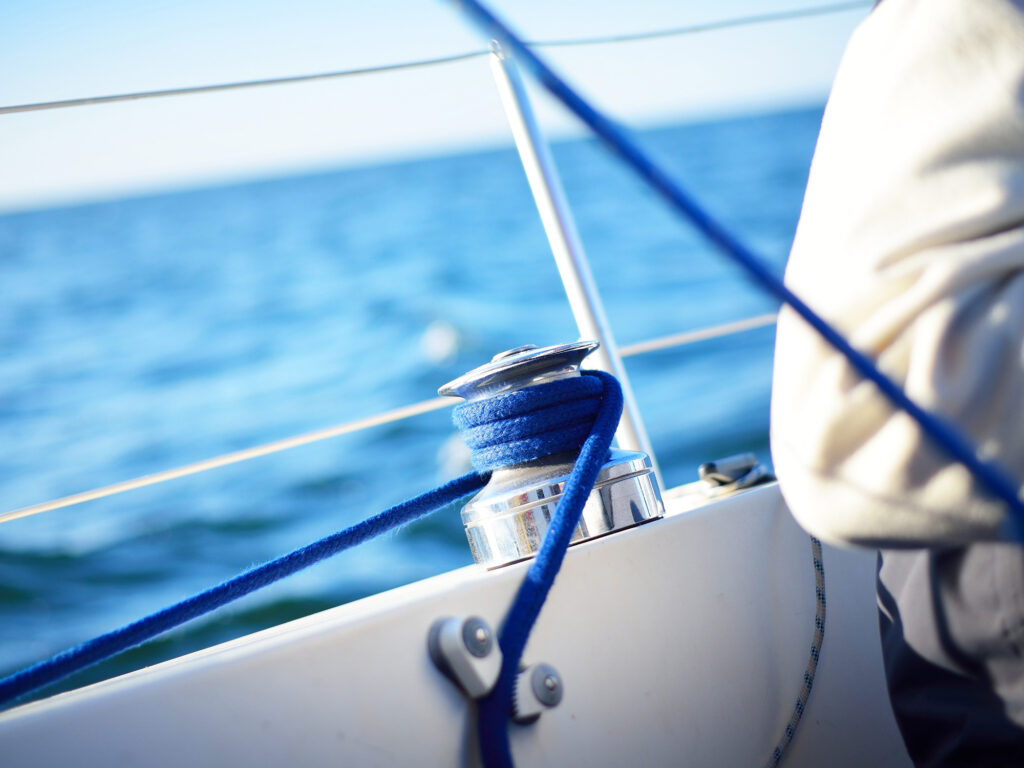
<point x="525" y="425"/>
<point x="530" y="423"/>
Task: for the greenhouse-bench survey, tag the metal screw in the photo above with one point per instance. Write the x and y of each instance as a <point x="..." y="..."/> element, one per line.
<point x="476" y="636"/>
<point x="538" y="687"/>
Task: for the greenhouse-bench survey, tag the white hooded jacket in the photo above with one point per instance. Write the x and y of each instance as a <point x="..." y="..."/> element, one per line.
<point x="911" y="241"/>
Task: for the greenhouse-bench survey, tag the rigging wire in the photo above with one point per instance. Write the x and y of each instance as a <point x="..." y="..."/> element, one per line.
<point x="738" y="21"/>
<point x="235" y="86"/>
<point x="380" y="419"/>
<point x="709" y="26"/>
<point x="224" y="460"/>
<point x="702" y="334"/>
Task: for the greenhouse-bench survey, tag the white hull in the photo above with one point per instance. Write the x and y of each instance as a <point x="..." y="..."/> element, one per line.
<point x="681" y="642"/>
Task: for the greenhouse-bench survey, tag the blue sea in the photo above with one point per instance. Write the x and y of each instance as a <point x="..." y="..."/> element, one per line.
<point x="146" y="333"/>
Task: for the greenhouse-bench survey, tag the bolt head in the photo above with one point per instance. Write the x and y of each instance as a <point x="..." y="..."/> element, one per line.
<point x="547" y="685"/>
<point x="476" y="636"/>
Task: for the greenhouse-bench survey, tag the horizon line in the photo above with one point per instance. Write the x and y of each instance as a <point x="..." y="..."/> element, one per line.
<point x="486" y="144"/>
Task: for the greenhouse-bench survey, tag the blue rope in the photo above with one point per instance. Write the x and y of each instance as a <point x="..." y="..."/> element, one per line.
<point x="993" y="477"/>
<point x="103" y="647"/>
<point x="508" y="417"/>
<point x="529" y="423"/>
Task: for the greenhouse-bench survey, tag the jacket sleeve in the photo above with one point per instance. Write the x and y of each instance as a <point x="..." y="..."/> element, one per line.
<point x="911" y="241"/>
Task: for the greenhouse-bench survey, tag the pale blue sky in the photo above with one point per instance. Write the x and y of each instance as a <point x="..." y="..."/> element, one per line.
<point x="57" y="49"/>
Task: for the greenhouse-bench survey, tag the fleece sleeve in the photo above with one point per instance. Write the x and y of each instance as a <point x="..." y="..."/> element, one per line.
<point x="911" y="241"/>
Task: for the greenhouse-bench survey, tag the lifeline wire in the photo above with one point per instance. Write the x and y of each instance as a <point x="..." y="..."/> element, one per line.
<point x="85" y="655"/>
<point x="710" y="26"/>
<point x="944" y="434"/>
<point x="387" y="417"/>
<point x="738" y="21"/>
<point x="691" y="337"/>
<point x="226" y="459"/>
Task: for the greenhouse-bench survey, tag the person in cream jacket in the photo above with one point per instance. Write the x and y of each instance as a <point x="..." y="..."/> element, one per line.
<point x="911" y="241"/>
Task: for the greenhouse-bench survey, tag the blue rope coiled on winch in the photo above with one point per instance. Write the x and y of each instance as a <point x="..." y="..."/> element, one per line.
<point x="579" y="413"/>
<point x="530" y="423"/>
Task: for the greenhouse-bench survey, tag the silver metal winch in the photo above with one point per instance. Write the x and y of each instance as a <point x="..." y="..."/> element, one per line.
<point x="506" y="521"/>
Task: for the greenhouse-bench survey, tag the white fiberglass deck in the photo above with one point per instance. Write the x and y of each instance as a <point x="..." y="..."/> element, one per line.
<point x="681" y="642"/>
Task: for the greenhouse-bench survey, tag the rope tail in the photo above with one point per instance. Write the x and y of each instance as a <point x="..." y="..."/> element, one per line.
<point x="495" y="710"/>
<point x="105" y="646"/>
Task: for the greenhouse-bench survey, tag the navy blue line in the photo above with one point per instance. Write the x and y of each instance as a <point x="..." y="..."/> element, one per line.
<point x="103" y="647"/>
<point x="495" y="709"/>
<point x="992" y="476"/>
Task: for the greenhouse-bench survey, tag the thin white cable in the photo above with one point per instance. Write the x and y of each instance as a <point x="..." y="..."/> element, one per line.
<point x="739" y="21"/>
<point x="397" y="414"/>
<point x="711" y="26"/>
<point x="702" y="334"/>
<point x="232" y="458"/>
<point x="189" y="90"/>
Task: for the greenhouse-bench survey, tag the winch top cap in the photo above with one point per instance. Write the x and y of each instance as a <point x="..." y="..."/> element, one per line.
<point x="520" y="367"/>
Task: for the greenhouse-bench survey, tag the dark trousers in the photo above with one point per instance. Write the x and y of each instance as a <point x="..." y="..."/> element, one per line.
<point x="952" y="626"/>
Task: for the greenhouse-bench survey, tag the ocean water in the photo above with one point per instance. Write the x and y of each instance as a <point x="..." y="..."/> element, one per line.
<point x="147" y="333"/>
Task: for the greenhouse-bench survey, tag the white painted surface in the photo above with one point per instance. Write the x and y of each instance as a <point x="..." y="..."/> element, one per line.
<point x="681" y="642"/>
